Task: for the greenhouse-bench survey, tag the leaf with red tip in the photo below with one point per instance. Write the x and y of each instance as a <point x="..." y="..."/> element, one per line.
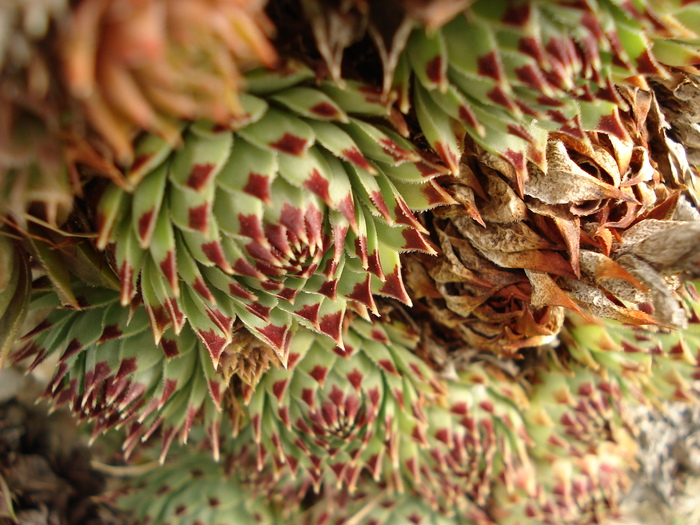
<point x="199" y="161"/>
<point x="428" y="56"/>
<point x="146" y="203"/>
<point x="112" y="207"/>
<point x="340" y="144"/>
<point x="439" y="129"/>
<point x="378" y="143"/>
<point x="279" y="131"/>
<point x="149" y="153"/>
<point x="162" y="250"/>
<point x="360" y="98"/>
<point x="311" y="103"/>
<point x="250" y="169"/>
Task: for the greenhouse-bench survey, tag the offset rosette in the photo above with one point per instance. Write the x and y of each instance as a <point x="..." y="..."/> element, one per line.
<point x="535" y="67"/>
<point x="193" y="488"/>
<point x="374" y="409"/>
<point x="299" y="214"/>
<point x="111" y="374"/>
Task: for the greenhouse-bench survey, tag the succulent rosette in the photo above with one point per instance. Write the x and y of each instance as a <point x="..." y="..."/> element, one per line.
<point x="297" y="215"/>
<point x="374" y="409"/>
<point x="533" y="68"/>
<point x="193" y="488"/>
<point x="111" y="374"/>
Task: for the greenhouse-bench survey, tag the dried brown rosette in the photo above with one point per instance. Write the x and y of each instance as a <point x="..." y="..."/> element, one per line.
<point x="605" y="229"/>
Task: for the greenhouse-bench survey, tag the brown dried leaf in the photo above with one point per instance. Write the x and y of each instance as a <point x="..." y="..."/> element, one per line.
<point x="568" y="225"/>
<point x="545" y="292"/>
<point x="503" y="205"/>
<point x="565" y="182"/>
<point x="600" y="306"/>
<point x="669" y="246"/>
<point x="510" y="238"/>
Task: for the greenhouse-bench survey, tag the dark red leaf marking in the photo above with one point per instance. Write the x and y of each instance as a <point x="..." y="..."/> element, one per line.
<point x="387" y="365"/>
<point x="169" y="347"/>
<point x="251" y="226"/>
<point x="243" y="267"/>
<point x="145" y="222"/>
<point x="169" y="269"/>
<point x="239" y="291"/>
<point x="110" y="331"/>
<point x="517" y="15"/>
<point x="201" y="288"/>
<point x="530" y="46"/>
<point x="292" y="360"/>
<point x="337" y="396"/>
<point x="487" y="405"/>
<point x="293" y="219"/>
<point x="362" y="293"/>
<point x="488" y="66"/>
<point x="310" y="312"/>
<point x="318" y="185"/>
<point x="374" y="264"/>
<point x="355" y="378"/>
<point x="329" y="288"/>
<point x="214" y="342"/>
<point x="347" y="207"/>
<point x="314" y="225"/>
<point x="521" y="132"/>
<point x="414" y="240"/>
<point x="288" y="294"/>
<point x="127" y="366"/>
<point x="258" y="186"/>
<point x="560" y="49"/>
<point x="549" y="101"/>
<point x="395" y="151"/>
<point x="324" y="109"/>
<point x="378" y="201"/>
<point x="215" y="391"/>
<point x="433" y="70"/>
<point x="263" y="312"/>
<point x="140" y="161"/>
<point x="467" y="116"/>
<point x="73" y="348"/>
<point x="126" y="275"/>
<point x="276" y="335"/>
<point x="612" y="125"/>
<point x="291" y="144"/>
<point x="448" y="156"/>
<point x="278" y="388"/>
<point x="354" y="156"/>
<point x="215" y="254"/>
<point x="199" y="175"/>
<point x="330" y="325"/>
<point x="169" y="387"/>
<point x="198" y="218"/>
<point x="319" y="373"/>
<point x="516" y="158"/>
<point x="500" y="97"/>
<point x="531" y="76"/>
<point x="393" y="287"/>
<point x="307" y="395"/>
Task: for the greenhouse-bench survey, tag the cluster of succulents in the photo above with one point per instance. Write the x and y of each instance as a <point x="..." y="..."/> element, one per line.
<point x="405" y="262"/>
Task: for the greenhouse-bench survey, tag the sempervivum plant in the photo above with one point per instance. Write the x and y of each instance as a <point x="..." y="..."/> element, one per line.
<point x="299" y="213"/>
<point x="413" y="270"/>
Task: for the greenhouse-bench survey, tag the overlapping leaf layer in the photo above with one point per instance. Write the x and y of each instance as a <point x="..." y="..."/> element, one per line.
<point x="300" y="213"/>
<point x="536" y="67"/>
